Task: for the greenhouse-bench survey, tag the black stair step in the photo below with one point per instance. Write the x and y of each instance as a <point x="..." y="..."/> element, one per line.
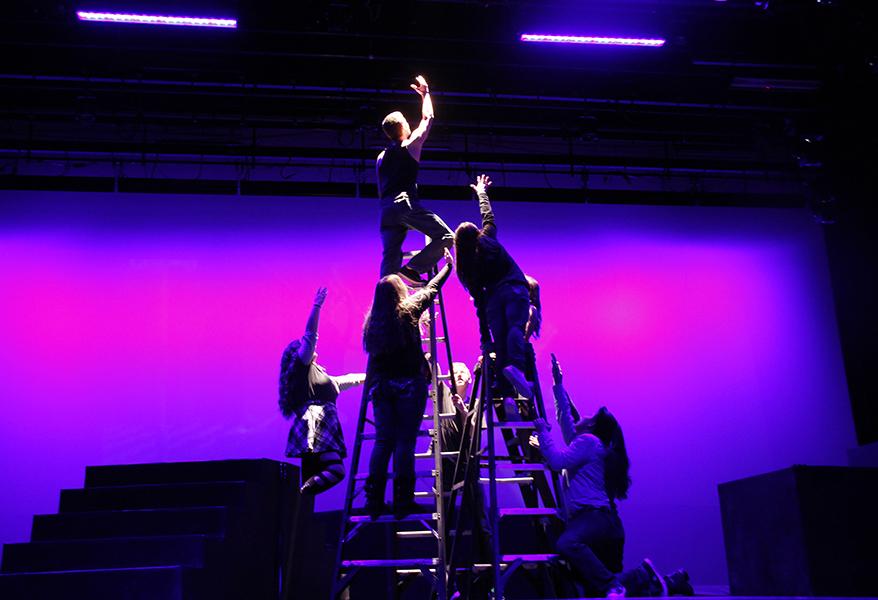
<point x="154" y="495"/>
<point x="152" y="583"/>
<point x="108" y="553"/>
<point x="209" y="520"/>
<point x="183" y="472"/>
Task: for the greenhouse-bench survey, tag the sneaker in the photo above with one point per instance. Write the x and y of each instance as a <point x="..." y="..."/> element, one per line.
<point x="657" y="585"/>
<point x="518" y="381"/>
<point x="678" y="583"/>
<point x="411" y="277"/>
<point x="617" y="591"/>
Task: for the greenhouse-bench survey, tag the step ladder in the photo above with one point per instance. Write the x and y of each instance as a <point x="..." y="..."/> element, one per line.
<point x="521" y="466"/>
<point x="432" y="525"/>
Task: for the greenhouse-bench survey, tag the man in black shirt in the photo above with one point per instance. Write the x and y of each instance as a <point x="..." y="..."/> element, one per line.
<point x="401" y="209"/>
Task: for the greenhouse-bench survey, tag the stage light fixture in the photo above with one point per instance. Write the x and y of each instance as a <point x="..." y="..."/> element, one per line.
<point x="592" y="39"/>
<point x="140" y="19"/>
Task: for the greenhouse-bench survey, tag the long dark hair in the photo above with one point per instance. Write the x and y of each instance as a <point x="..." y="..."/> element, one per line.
<point x="606" y="428"/>
<point x="536" y="314"/>
<point x="389" y="318"/>
<point x="293" y="380"/>
<point x="466" y="244"/>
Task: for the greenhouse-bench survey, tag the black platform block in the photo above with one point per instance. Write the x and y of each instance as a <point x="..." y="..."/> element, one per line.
<point x="165" y="583"/>
<point x="129" y="523"/>
<point x="197" y="530"/>
<point x="185" y="472"/>
<point x="186" y="551"/>
<point x="155" y="495"/>
<point x="802" y="531"/>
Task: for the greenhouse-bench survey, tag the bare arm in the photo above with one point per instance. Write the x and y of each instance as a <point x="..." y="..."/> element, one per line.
<point x="309" y="340"/>
<point x="415" y="142"/>
<point x="346" y="382"/>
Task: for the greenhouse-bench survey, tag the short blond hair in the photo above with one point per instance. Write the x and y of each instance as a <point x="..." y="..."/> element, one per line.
<point x="392" y="125"/>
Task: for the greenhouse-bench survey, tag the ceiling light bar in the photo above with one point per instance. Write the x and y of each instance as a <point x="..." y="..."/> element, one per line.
<point x="591" y="39"/>
<point x="105" y="17"/>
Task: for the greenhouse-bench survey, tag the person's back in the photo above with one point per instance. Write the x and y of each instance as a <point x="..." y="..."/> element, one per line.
<point x="397" y="174"/>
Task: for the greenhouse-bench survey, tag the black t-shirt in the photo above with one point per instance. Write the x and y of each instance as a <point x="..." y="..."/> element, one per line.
<point x="397" y="173"/>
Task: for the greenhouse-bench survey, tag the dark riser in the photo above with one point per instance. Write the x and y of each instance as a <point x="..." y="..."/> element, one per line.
<point x="188" y="551"/>
<point x="154" y="583"/>
<point x="176" y="495"/>
<point x="130" y="523"/>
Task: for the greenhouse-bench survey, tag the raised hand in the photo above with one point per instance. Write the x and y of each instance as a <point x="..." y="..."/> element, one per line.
<point x="483" y="182"/>
<point x="320" y="297"/>
<point x="420" y="86"/>
<point x="557" y="375"/>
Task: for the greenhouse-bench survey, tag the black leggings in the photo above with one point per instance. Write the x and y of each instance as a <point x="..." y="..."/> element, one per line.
<point x="321" y="471"/>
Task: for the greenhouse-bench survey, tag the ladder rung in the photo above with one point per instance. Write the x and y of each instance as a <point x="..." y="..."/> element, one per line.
<point x="515" y="425"/>
<point x="446" y="377"/>
<point x="528" y="512"/>
<point x="391" y="563"/>
<point x="431" y="494"/>
<point x="392" y="518"/>
<point x="448" y="453"/>
<point x="426" y="533"/>
<point x="412" y="571"/>
<point x="419" y="474"/>
<point x="439" y="339"/>
<point x="517" y="466"/>
<point x="507" y="479"/>
<point x="442" y="416"/>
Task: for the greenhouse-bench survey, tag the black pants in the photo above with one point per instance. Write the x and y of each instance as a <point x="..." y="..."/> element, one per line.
<point x="396" y="221"/>
<point x="507" y="310"/>
<point x="398" y="406"/>
<point x="592" y="543"/>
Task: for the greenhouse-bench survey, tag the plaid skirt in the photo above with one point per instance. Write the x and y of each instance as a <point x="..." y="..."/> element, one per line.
<point x="316" y="429"/>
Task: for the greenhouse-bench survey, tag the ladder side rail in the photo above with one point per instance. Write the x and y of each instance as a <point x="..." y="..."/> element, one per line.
<point x="470" y="444"/>
<point x="335" y="587"/>
<point x="541" y="411"/>
<point x="492" y="478"/>
<point x="441" y="573"/>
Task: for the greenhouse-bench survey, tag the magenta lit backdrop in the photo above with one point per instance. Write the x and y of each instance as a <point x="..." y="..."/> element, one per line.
<point x="143" y="328"/>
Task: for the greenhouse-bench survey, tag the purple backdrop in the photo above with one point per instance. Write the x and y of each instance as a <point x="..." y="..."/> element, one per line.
<point x="149" y="328"/>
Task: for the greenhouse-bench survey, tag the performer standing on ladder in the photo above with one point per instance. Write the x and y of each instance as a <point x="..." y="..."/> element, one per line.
<point x="401" y="208"/>
<point x="307" y="397"/>
<point x="397" y="378"/>
<point x="500" y="292"/>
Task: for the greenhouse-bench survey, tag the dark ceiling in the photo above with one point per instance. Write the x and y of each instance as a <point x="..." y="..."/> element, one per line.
<point x="748" y="103"/>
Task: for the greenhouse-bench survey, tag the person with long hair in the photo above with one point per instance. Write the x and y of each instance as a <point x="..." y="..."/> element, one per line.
<point x="397" y="375"/>
<point x="307" y="397"/>
<point x="500" y="292"/>
<point x="401" y="210"/>
<point x="597" y="466"/>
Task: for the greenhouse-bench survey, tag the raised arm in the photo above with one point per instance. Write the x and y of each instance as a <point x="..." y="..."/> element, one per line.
<point x="489" y="226"/>
<point x="309" y="340"/>
<point x="422" y="298"/>
<point x="415" y="142"/>
<point x="562" y="403"/>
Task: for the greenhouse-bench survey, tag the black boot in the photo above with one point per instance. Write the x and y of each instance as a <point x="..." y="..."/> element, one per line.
<point x="678" y="583"/>
<point x="375" y="505"/>
<point x="404" y="498"/>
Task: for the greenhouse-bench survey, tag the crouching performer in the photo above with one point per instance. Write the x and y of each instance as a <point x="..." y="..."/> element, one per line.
<point x="594" y="456"/>
<point x="307" y="398"/>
